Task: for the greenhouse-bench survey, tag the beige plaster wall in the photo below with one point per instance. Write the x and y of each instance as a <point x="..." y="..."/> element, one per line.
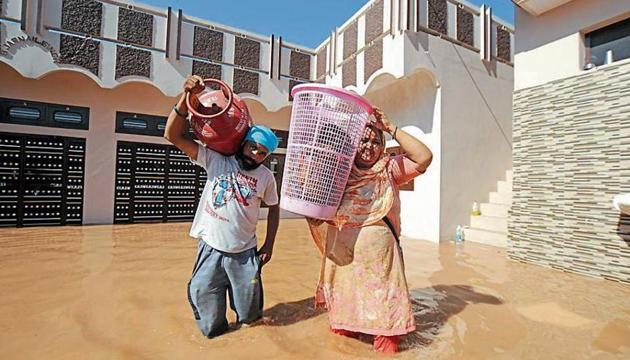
<point x="73" y="88"/>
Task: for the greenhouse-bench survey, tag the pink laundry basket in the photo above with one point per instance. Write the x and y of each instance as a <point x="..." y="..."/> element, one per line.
<point x="326" y="126"/>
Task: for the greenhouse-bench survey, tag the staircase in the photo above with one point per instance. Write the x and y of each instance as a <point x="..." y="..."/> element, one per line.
<point x="490" y="227"/>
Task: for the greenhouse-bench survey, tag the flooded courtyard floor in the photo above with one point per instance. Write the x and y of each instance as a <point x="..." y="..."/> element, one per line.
<point x="105" y="292"/>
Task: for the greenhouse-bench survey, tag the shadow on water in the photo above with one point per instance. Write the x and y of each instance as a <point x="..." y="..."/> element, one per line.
<point x="433" y="306"/>
<point x="292" y="312"/>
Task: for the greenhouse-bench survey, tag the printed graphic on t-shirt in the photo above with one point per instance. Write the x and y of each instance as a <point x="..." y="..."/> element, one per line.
<point x="231" y="187"/>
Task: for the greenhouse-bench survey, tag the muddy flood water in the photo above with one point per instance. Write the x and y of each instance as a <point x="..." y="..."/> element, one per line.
<point x="119" y="292"/>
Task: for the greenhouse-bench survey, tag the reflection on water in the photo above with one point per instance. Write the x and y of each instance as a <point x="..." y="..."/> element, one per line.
<point x="103" y="292"/>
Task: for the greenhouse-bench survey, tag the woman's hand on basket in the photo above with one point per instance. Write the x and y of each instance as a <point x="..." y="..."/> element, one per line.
<point x="382" y="121"/>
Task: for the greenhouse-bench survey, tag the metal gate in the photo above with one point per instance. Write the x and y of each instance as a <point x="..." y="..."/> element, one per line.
<point x="155" y="183"/>
<point x="41" y="180"/>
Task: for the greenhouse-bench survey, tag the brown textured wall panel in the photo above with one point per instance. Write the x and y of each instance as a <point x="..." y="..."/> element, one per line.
<point x="206" y="70"/>
<point x="503" y="45"/>
<point x="571" y="155"/>
<point x="247" y="52"/>
<point x="373" y="59"/>
<point x="438" y="16"/>
<point x="245" y="82"/>
<point x="321" y="63"/>
<point x="350" y="40"/>
<point x="349" y="73"/>
<point x="374" y="22"/>
<point x="208" y="44"/>
<point x="465" y="27"/>
<point x="81" y="52"/>
<point x="292" y="84"/>
<point x="135" y="27"/>
<point x="130" y="61"/>
<point x="300" y="65"/>
<point x="83" y="16"/>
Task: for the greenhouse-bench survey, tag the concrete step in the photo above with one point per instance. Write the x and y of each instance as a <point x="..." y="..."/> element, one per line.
<point x="492" y="223"/>
<point x="485" y="237"/>
<point x="504" y="187"/>
<point x="509" y="176"/>
<point x="499" y="210"/>
<point x="498" y="198"/>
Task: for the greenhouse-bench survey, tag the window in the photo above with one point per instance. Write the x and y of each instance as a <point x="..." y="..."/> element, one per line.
<point x="608" y="44"/>
<point x="25" y="112"/>
<point x="140" y="124"/>
<point x="68" y="117"/>
<point x="134" y="124"/>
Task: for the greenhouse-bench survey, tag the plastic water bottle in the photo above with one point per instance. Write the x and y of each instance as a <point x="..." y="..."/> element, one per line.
<point x="459" y="234"/>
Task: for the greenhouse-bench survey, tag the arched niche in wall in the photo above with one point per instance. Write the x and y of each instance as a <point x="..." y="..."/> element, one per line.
<point x="408" y="101"/>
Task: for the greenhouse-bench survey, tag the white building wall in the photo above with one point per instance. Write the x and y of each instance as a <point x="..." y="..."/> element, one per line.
<point x="551" y="46"/>
<point x="475" y="125"/>
<point x="470" y="115"/>
<point x="414" y="105"/>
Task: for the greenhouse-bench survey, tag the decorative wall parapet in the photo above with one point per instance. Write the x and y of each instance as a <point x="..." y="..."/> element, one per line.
<point x="113" y="42"/>
<point x="360" y="48"/>
<point x="117" y="41"/>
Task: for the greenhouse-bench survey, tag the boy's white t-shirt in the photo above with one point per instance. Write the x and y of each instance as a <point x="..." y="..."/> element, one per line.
<point x="228" y="209"/>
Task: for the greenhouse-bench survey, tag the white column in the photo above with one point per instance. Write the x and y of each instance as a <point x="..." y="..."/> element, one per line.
<point x="485" y="33"/>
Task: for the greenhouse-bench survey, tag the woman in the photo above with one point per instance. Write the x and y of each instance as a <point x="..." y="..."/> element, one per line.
<point x="362" y="281"/>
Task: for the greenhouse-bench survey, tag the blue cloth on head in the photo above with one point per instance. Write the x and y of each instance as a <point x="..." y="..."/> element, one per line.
<point x="264" y="136"/>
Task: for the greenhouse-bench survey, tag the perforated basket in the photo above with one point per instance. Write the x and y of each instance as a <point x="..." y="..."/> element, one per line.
<point x="326" y="126"/>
